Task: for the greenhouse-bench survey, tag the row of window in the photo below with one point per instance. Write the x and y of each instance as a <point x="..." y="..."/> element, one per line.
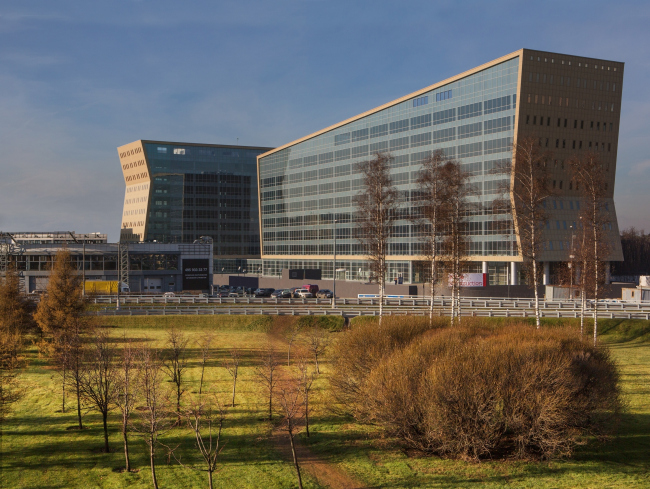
<point x="485" y="248"/>
<point x="593" y="146"/>
<point x="487" y="188"/>
<point x="474" y="228"/>
<point x="564" y="102"/>
<point x="425" y="120"/>
<point x="594" y="124"/>
<point x="580" y="64"/>
<point x="462" y="151"/>
<point x="577" y="82"/>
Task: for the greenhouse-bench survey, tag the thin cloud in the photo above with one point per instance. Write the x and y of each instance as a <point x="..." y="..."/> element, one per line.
<point x="640" y="168"/>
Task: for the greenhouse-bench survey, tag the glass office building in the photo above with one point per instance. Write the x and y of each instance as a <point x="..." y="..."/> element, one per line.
<point x="181" y="192"/>
<point x="474" y="118"/>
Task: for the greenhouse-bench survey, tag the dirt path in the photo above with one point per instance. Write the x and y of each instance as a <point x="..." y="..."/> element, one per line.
<point x="327" y="474"/>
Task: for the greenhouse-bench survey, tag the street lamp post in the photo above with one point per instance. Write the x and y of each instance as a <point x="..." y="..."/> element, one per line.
<point x="334" y="281"/>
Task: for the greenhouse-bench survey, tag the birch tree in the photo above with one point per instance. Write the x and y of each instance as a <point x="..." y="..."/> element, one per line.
<point x="455" y="243"/>
<point x="592" y="183"/>
<point x="430" y="215"/>
<point x="526" y="193"/>
<point x="376" y="210"/>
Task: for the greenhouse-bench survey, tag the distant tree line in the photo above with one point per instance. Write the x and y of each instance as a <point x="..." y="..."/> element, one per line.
<point x="636" y="253"/>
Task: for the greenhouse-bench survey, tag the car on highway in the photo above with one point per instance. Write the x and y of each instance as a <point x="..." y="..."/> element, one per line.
<point x="265" y="292"/>
<point x="304" y="294"/>
<point x="325" y="294"/>
<point x="169" y="294"/>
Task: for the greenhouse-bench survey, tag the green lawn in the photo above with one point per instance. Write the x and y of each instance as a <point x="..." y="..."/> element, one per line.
<point x="39" y="451"/>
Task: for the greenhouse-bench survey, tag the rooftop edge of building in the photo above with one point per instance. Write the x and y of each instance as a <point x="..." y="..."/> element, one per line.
<point x="484" y="66"/>
<point x="177" y="143"/>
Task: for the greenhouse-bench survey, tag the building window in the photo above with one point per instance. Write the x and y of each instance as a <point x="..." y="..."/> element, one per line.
<point x="443" y="96"/>
<point x="421" y="101"/>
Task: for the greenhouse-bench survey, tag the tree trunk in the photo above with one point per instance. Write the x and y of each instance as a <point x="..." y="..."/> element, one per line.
<point x="307" y="413"/>
<point x="433" y="282"/>
<point x="63" y="393"/>
<point x="295" y="459"/>
<point x="271" y="397"/>
<point x="596" y="281"/>
<point x="152" y="462"/>
<point x="210" y="479"/>
<point x="535" y="279"/>
<point x="234" y="386"/>
<point x="105" y="416"/>
<point x="381" y="291"/>
<point x="202" y="371"/>
<point x="79" y="405"/>
<point x="126" y="447"/>
<point x="316" y="358"/>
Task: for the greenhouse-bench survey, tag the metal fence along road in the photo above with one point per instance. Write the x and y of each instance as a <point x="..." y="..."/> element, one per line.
<point x="350" y="307"/>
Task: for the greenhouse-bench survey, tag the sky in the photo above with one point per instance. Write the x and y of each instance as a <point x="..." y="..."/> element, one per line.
<point x="79" y="78"/>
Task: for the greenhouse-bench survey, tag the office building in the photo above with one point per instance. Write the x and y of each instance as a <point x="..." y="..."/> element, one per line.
<point x="153" y="268"/>
<point x="180" y="192"/>
<point x="570" y="103"/>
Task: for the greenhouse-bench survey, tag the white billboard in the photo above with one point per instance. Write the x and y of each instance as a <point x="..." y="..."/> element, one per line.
<point x="470" y="280"/>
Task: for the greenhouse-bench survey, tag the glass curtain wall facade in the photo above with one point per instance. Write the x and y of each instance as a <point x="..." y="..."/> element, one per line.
<point x="179" y="192"/>
<point x="307" y="185"/>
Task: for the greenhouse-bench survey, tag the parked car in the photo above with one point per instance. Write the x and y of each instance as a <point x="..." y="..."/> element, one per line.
<point x="304" y="294"/>
<point x="293" y="290"/>
<point x="281" y="294"/>
<point x="169" y="294"/>
<point x="266" y="292"/>
<point x="325" y="294"/>
<point x="311" y="288"/>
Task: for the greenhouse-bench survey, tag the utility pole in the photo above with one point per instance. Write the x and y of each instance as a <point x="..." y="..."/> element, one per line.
<point x="334" y="281"/>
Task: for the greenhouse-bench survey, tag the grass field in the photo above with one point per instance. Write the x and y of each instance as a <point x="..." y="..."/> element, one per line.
<point x="38" y="449"/>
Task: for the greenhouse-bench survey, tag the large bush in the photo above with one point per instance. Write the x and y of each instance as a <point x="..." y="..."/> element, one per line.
<point x="362" y="348"/>
<point x="477" y="391"/>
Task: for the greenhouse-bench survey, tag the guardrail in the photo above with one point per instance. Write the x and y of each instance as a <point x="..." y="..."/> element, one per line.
<point x="412" y="301"/>
<point x="250" y="311"/>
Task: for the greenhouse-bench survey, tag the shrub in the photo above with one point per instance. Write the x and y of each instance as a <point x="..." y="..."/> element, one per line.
<point x="361" y="348"/>
<point x="477" y="391"/>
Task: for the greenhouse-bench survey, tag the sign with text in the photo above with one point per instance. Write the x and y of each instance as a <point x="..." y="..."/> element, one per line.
<point x="195" y="274"/>
<point x="470" y="280"/>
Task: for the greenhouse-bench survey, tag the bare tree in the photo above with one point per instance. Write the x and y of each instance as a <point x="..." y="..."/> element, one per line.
<point x="430" y="215"/>
<point x="592" y="184"/>
<point x="317" y="342"/>
<point x="205" y="344"/>
<point x="205" y="419"/>
<point x="291" y="334"/>
<point x="99" y="378"/>
<point x="290" y="402"/>
<point x="71" y="354"/>
<point x="267" y="374"/>
<point x="15" y="319"/>
<point x="232" y="366"/>
<point x="61" y="318"/>
<point x="455" y="243"/>
<point x="125" y="393"/>
<point x="305" y="382"/>
<point x="376" y="210"/>
<point x="175" y="363"/>
<point x="152" y="420"/>
<point x="526" y="193"/>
